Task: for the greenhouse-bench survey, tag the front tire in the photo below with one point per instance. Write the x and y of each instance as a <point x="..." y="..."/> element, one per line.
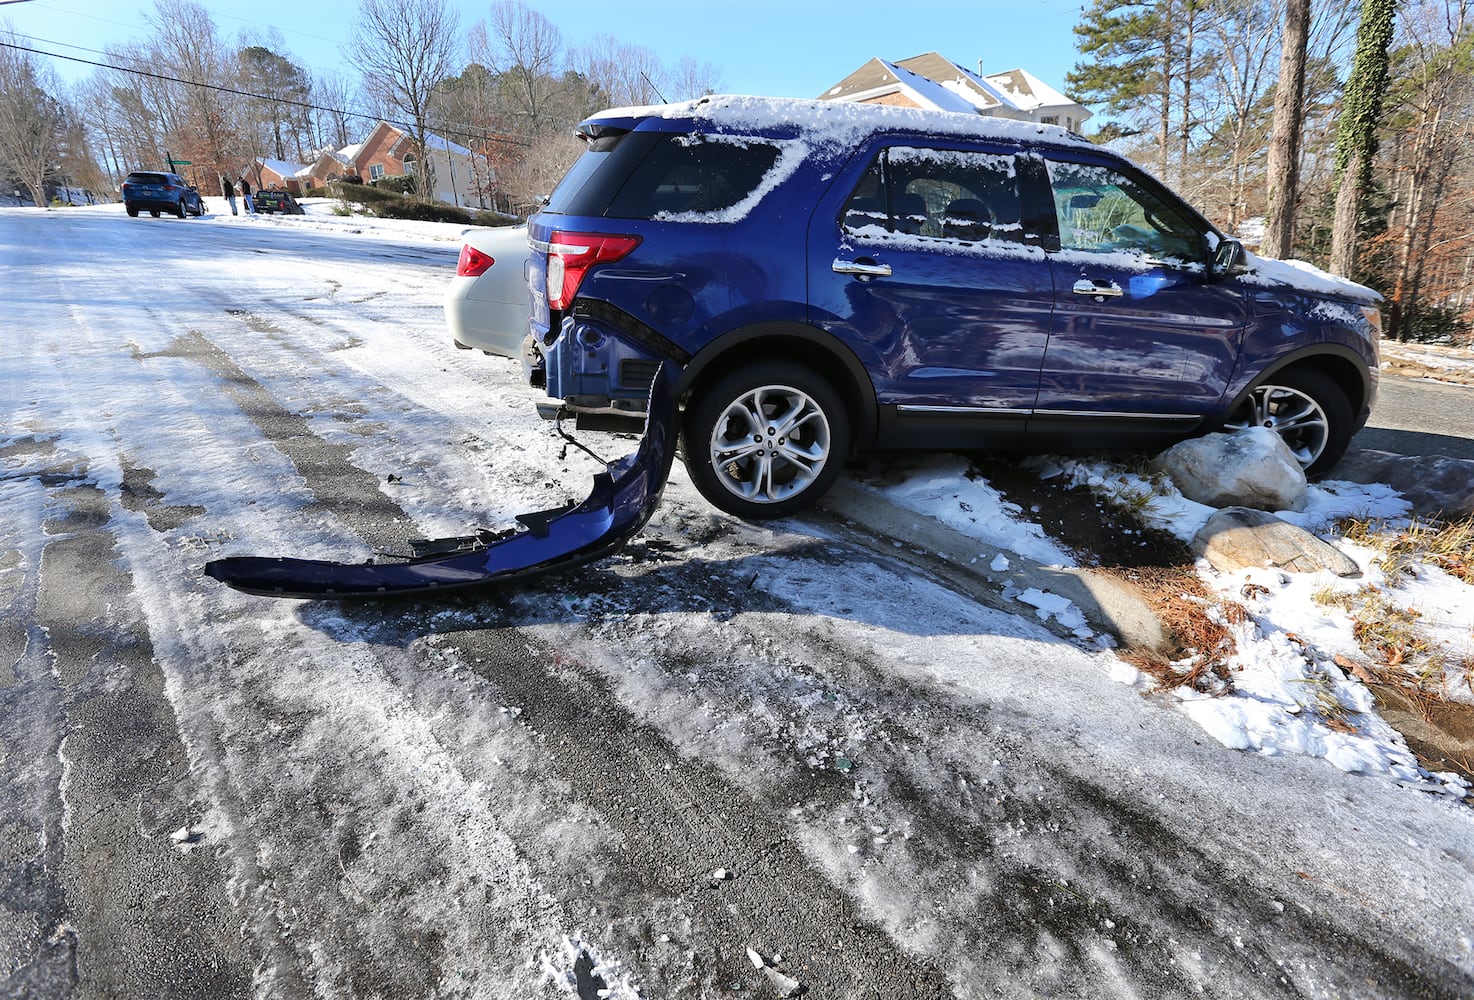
<point x="1307" y="410"/>
<point x="766" y="441"/>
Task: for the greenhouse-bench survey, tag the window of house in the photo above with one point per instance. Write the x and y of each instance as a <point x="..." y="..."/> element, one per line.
<point x="411" y="166"/>
<point x="1050" y="119"/>
<point x="376" y="171"/>
<point x="939" y="193"/>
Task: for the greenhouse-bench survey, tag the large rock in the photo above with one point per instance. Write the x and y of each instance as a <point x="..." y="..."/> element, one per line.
<point x="1248" y="468"/>
<point x="1243" y="538"/>
<point x="1432" y="484"/>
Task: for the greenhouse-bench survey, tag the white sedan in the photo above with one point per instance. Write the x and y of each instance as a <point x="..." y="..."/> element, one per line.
<point x="487" y="304"/>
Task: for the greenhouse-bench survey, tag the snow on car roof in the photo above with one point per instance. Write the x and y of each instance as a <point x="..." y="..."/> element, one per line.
<point x="842" y="121"/>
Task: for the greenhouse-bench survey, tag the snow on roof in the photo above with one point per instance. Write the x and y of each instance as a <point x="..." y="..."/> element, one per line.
<point x="281" y="167"/>
<point x="349" y="153"/>
<point x="1027" y="91"/>
<point x="433" y="141"/>
<point x="841" y="121"/>
<point x="942" y="95"/>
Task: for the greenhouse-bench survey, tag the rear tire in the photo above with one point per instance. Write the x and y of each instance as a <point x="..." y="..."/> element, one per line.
<point x="1307" y="410"/>
<point x="180" y="210"/>
<point x="767" y="440"/>
<point x="132" y="211"/>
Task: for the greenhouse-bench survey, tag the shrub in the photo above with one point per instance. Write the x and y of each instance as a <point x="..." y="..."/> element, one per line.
<point x="486" y="217"/>
<point x="420" y="211"/>
<point x="399" y="185"/>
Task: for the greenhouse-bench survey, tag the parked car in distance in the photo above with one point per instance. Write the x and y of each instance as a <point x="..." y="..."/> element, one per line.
<point x="826" y="277"/>
<point x="155" y="192"/>
<point x="487" y="305"/>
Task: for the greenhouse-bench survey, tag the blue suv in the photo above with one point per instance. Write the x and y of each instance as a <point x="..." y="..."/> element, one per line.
<point x="154" y="192"/>
<point x="824" y="277"/>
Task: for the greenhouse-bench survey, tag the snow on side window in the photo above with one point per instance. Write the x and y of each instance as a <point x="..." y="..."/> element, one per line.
<point x="956" y="196"/>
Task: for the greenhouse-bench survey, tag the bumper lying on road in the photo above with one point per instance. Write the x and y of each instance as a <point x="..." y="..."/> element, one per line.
<point x="624" y="496"/>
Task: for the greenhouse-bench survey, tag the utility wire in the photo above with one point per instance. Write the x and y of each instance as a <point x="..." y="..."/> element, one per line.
<point x="503" y="137"/>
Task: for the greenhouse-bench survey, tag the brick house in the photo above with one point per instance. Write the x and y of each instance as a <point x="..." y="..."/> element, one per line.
<point x="458" y="176"/>
<point x="936" y="83"/>
<point x="276" y="175"/>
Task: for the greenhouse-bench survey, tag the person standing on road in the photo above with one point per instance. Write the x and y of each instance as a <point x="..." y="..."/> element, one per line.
<point x="246" y="196"/>
<point x="227" y="191"/>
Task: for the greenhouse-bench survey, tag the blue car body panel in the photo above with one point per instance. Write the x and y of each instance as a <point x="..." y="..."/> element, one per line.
<point x="623" y="497"/>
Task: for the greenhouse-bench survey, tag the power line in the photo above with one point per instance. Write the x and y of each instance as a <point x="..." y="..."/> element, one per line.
<point x="503" y="137"/>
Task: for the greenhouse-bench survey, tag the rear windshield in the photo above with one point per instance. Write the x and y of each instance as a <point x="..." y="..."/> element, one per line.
<point x="654" y="175"/>
<point x="146" y="179"/>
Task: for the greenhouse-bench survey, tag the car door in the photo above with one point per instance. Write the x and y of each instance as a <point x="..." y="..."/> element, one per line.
<point x="1142" y="335"/>
<point x="924" y="261"/>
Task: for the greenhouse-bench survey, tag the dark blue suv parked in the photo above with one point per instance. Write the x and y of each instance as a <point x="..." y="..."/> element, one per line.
<point x="828" y="277"/>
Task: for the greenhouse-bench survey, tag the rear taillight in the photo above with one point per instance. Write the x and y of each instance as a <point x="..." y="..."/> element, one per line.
<point x="570" y="255"/>
<point x="473" y="262"/>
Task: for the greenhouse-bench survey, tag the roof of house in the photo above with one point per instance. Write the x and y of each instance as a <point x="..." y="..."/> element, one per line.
<point x="281" y="167"/>
<point x="937" y="82"/>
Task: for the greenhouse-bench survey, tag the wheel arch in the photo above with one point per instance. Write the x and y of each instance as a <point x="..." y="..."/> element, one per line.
<point x="796" y="342"/>
<point x="1343" y="366"/>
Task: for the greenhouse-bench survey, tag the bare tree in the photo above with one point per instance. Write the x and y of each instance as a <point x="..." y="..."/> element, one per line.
<point x="692" y="79"/>
<point x="524" y="50"/>
<point x="1356" y="135"/>
<point x="31" y="121"/>
<point x="627" y="74"/>
<point x="404" y="49"/>
<point x="1285" y="134"/>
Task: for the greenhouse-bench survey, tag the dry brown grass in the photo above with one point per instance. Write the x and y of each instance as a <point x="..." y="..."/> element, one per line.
<point x="1200" y="624"/>
<point x="1448" y="545"/>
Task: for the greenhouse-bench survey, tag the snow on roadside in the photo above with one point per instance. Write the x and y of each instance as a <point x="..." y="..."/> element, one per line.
<point x="1286" y="681"/>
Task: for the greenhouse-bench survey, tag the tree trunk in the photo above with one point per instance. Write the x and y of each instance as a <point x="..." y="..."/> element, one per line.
<point x="1284" y="139"/>
<point x="1356" y="133"/>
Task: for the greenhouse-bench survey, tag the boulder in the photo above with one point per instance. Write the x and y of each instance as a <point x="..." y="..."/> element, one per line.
<point x="1434" y="485"/>
<point x="1243" y="538"/>
<point x="1248" y="468"/>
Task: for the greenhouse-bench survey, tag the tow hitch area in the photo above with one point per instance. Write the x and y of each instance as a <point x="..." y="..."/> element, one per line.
<point x="624" y="496"/>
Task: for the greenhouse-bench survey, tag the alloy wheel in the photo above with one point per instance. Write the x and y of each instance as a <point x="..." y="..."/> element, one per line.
<point x="770" y="443"/>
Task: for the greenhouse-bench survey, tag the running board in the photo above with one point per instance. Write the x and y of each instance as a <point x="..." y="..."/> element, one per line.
<point x="623" y="498"/>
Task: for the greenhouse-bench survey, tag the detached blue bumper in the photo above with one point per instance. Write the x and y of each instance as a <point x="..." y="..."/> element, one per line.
<point x="623" y="498"/>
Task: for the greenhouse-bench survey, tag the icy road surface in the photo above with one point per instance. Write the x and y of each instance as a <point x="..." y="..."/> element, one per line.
<point x="733" y="760"/>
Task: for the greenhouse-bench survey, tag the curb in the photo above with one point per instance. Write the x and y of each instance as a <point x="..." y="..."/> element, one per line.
<point x="1109" y="604"/>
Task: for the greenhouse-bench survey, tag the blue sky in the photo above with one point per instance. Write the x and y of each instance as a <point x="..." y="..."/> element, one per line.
<point x="765" y="47"/>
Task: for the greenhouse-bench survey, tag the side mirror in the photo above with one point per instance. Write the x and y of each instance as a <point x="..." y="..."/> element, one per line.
<point x="1229" y="259"/>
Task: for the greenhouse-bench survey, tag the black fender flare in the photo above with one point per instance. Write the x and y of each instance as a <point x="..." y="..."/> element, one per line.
<point x="1338" y="361"/>
<point x="802" y="343"/>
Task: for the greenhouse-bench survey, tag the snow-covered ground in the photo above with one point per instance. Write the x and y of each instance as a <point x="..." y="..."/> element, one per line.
<point x="392" y="801"/>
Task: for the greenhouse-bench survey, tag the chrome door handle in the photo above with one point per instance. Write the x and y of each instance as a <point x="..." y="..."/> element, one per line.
<point x="864" y="268"/>
<point x="1106" y="289"/>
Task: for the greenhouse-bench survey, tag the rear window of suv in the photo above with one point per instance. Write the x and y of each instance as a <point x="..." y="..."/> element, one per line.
<point x="662" y="175"/>
<point x="146" y="179"/>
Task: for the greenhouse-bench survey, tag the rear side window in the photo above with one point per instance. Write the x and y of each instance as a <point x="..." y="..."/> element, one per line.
<point x="957" y="195"/>
<point x="685" y="177"/>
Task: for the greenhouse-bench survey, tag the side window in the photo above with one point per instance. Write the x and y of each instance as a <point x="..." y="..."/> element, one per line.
<point x="943" y="194"/>
<point x="1102" y="209"/>
<point x="694" y="174"/>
